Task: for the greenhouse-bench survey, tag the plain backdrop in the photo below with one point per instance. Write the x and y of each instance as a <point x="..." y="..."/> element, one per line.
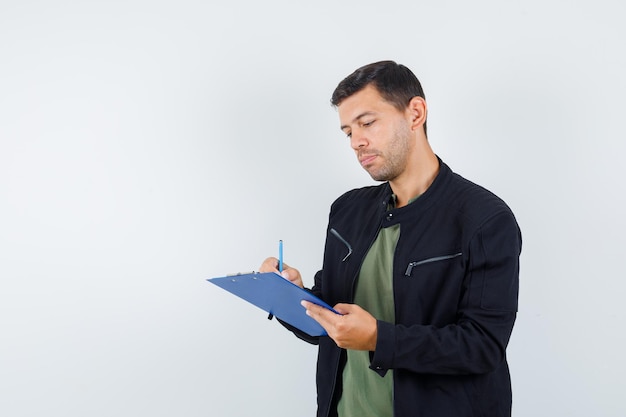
<point x="148" y="145"/>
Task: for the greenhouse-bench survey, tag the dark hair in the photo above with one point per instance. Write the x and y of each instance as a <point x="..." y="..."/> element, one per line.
<point x="395" y="83"/>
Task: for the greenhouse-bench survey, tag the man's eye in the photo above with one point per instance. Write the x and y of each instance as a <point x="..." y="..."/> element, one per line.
<point x="349" y="135"/>
<point x="366" y="124"/>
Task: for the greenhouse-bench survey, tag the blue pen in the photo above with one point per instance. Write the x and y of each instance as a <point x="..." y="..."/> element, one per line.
<point x="280" y="256"/>
<point x="280" y="267"/>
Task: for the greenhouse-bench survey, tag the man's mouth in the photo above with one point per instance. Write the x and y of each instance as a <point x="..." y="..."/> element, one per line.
<point x="367" y="159"/>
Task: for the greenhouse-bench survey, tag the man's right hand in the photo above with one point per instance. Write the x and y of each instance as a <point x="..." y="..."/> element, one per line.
<point x="289" y="273"/>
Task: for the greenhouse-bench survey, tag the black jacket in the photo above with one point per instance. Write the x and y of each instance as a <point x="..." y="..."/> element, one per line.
<point x="455" y="284"/>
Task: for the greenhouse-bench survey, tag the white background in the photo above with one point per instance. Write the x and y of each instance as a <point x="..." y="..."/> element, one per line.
<point x="148" y="145"/>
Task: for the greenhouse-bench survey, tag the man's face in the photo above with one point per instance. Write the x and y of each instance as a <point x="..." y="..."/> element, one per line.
<point x="379" y="133"/>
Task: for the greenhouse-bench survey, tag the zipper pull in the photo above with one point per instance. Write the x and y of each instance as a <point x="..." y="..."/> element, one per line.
<point x="409" y="269"/>
<point x="345" y="242"/>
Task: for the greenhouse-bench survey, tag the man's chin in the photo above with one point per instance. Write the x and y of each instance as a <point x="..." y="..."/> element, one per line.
<point x="377" y="176"/>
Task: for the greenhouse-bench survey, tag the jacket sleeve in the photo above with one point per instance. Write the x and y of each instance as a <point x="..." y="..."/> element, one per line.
<point x="476" y="341"/>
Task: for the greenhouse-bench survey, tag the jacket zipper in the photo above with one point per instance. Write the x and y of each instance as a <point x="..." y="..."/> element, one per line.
<point x="351" y="295"/>
<point x="345" y="242"/>
<point x="412" y="265"/>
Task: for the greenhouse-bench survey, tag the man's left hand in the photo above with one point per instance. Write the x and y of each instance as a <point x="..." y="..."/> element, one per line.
<point x="354" y="329"/>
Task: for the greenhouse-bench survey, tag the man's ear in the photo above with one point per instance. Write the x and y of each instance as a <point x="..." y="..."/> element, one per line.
<point x="417" y="111"/>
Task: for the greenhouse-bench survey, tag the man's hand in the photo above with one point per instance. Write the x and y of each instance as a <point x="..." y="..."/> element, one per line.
<point x="355" y="329"/>
<point x="289" y="273"/>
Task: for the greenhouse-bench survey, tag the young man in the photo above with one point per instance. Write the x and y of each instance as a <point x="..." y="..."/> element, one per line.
<point x="423" y="269"/>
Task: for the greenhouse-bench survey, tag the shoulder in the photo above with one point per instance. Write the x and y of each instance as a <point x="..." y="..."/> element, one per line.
<point x="473" y="197"/>
<point x="475" y="204"/>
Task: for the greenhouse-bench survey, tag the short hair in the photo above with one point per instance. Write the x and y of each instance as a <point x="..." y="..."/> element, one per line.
<point x="396" y="84"/>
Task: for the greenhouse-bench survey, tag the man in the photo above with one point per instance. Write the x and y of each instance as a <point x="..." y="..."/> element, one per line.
<point x="423" y="269"/>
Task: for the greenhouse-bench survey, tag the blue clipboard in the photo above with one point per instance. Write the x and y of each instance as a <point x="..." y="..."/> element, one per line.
<point x="277" y="296"/>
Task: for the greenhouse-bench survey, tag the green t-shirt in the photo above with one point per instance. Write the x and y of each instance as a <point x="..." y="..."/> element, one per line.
<point x="365" y="393"/>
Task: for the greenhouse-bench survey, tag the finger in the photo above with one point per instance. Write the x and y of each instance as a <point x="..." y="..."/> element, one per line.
<point x="292" y="274"/>
<point x="322" y="315"/>
<point x="269" y="265"/>
<point x="311" y="311"/>
<point x="288" y="273"/>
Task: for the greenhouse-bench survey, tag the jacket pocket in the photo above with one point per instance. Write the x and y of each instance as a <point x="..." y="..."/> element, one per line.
<point x="345" y="242"/>
<point x="409" y="268"/>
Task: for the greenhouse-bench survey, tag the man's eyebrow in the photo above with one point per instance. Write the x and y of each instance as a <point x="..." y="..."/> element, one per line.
<point x="356" y="119"/>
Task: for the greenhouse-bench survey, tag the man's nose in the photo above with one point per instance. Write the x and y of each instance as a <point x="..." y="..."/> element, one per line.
<point x="358" y="139"/>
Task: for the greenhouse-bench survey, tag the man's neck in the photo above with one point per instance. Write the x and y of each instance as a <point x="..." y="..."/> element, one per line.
<point x="416" y="179"/>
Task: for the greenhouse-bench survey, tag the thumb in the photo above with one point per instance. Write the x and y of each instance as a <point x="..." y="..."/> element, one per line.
<point x="289" y="274"/>
<point x="343" y="308"/>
